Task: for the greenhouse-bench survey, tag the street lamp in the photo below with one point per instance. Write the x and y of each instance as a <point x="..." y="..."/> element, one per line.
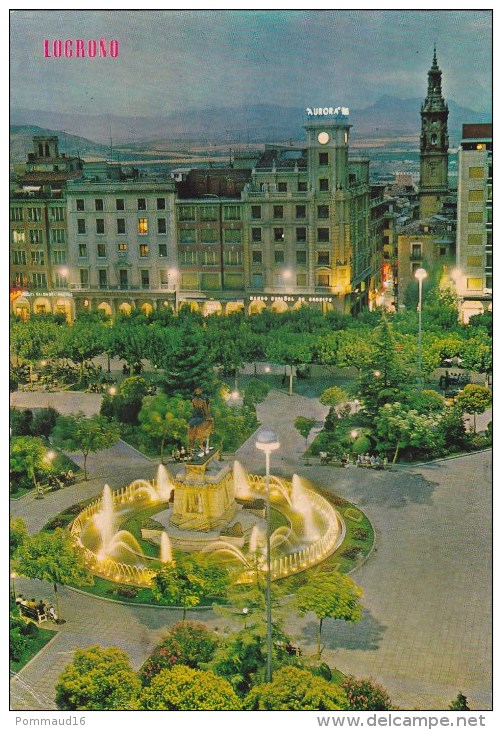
<point x="267" y="441"/>
<point x="420" y="274"/>
<point x="173" y="278"/>
<point x="13" y="576"/>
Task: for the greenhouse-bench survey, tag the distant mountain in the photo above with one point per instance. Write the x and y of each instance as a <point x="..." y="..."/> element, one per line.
<point x="389" y="117"/>
<point x="21" y="142"/>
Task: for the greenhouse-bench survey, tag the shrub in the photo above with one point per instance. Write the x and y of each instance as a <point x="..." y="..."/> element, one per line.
<point x="127" y="591"/>
<point x="187" y="642"/>
<point x="363" y="694"/>
<point x="352" y="552"/>
<point x="44" y="421"/>
<point x="360" y="533"/>
<point x="55" y="523"/>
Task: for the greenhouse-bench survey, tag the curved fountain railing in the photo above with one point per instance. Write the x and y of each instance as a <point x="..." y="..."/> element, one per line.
<point x="332" y="533"/>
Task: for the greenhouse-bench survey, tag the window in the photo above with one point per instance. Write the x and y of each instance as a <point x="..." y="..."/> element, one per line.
<point x="282" y="187"/>
<point x="161" y="203"/>
<point x="475" y="239"/>
<point x="84" y="276"/>
<point x="323" y="158"/>
<point x="58" y="257"/>
<point x="442" y="251"/>
<point x="209" y="235"/>
<point x="257" y="257"/>
<point x="489" y="239"/>
<point x="121" y="225"/>
<point x="257" y="281"/>
<point x="416" y="250"/>
<point x="232" y="257"/>
<point x="123" y="279"/>
<point x="475" y="283"/>
<point x="39" y="281"/>
<point x="143" y="250"/>
<point x="16" y="214"/>
<point x="119" y="204"/>
<point x="489" y="215"/>
<point x="476" y="173"/>
<point x="187" y="258"/>
<point x="186" y="213"/>
<point x="145" y="279"/>
<point x="489" y="261"/>
<point x="60" y="280"/>
<point x="35" y="236"/>
<point x="323" y="211"/>
<point x="19" y="258"/>
<point x="102" y="279"/>
<point x="278" y="211"/>
<point x="58" y="235"/>
<point x="256" y="211"/>
<point x="232" y="235"/>
<point x="322" y="279"/>
<point x="256" y="234"/>
<point x="142" y="226"/>
<point x="100" y="225"/>
<point x="101" y="250"/>
<point x="474" y="261"/>
<point x="323" y="258"/>
<point x="80" y="205"/>
<point x="231" y="212"/>
<point x="475" y="217"/>
<point x="98" y="204"/>
<point x="122" y="247"/>
<point x="489" y="281"/>
<point x="278" y="234"/>
<point x="187" y="235"/>
<point x="141" y="203"/>
<point x="209" y="213"/>
<point x="323" y="235"/>
<point x="161" y="225"/>
<point x="164" y="277"/>
<point x="301" y="235"/>
<point x="80" y="225"/>
<point x="18" y="237"/>
<point x="57" y="214"/>
<point x="82" y="250"/>
<point x="162" y="250"/>
<point x="476" y="196"/>
<point x="209" y="257"/>
<point x="301" y="211"/>
<point x="324" y="185"/>
<point x="302" y="186"/>
<point x="301" y="257"/>
<point x="37" y="258"/>
<point x="279" y="256"/>
<point x="34" y="214"/>
<point x="301" y="280"/>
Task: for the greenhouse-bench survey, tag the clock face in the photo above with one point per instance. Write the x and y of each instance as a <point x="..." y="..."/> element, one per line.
<point x="323" y="137"/>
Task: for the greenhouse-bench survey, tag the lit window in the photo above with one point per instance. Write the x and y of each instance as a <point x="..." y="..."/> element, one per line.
<point x="475" y="283"/>
<point x="474" y="261"/>
<point x="322" y="279"/>
<point x="301" y="280"/>
<point x="475" y="239"/>
<point x="121" y="247"/>
<point x="143" y="250"/>
<point x="475" y="196"/>
<point x="18" y="237"/>
<point x="142" y="226"/>
<point x="475" y="217"/>
<point x="476" y="172"/>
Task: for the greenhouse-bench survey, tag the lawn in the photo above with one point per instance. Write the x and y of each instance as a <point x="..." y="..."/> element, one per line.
<point x="35" y="645"/>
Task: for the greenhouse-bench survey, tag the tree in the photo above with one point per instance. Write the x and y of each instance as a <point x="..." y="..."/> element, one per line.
<point x="363" y="694"/>
<point x="474" y="399"/>
<point x="333" y="596"/>
<point x="255" y="392"/>
<point x="477" y="354"/>
<point x="459" y="703"/>
<point x="128" y="338"/>
<point x="286" y="348"/>
<point x="183" y="688"/>
<point x="187" y="642"/>
<point x="21" y="422"/>
<point x="98" y="679"/>
<point x="128" y="402"/>
<point x="293" y="688"/>
<point x="44" y="421"/>
<point x="87" y="435"/>
<point x="333" y="397"/>
<point x="165" y="420"/>
<point x="17" y="534"/>
<point x="189" y="365"/>
<point x="27" y="457"/>
<point x="187" y="582"/>
<point x="83" y="341"/>
<point x="304" y="426"/>
<point x="355" y="349"/>
<point x="53" y="556"/>
<point x="398" y="427"/>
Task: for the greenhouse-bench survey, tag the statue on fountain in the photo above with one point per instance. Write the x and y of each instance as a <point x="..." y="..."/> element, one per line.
<point x="201" y="425"/>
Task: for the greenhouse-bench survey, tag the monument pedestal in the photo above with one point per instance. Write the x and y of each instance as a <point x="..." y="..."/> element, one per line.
<point x="204" y="494"/>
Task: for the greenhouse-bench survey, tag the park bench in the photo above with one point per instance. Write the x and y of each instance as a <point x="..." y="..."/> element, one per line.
<point x="32" y="613"/>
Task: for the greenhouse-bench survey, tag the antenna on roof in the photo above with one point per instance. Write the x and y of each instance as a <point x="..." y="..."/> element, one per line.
<point x="111" y="144"/>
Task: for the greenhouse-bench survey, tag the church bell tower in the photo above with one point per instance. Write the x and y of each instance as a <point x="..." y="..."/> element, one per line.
<point x="433" y="146"/>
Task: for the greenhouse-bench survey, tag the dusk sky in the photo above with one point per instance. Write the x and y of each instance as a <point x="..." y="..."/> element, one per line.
<point x="182" y="60"/>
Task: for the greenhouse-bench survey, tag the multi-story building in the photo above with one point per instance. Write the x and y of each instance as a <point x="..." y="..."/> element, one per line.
<point x="122" y="245"/>
<point x="474" y="274"/>
<point x="433" y="186"/>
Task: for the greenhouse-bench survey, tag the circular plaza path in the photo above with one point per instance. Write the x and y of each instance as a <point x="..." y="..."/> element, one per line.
<point x="426" y="630"/>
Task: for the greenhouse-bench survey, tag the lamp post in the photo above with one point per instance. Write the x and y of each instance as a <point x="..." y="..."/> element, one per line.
<point x="420" y="274"/>
<point x="267" y="441"/>
<point x="173" y="278"/>
<point x="13" y="576"/>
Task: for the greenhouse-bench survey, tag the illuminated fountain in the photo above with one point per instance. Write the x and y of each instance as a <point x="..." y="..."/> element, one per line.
<point x="203" y="517"/>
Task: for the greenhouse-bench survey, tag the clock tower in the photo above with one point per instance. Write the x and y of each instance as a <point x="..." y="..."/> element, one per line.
<point x="433" y="146"/>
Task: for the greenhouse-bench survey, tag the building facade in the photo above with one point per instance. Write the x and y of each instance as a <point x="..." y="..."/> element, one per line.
<point x="433" y="186"/>
<point x="474" y="274"/>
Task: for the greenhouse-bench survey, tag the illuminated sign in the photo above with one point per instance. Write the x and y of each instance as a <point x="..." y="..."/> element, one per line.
<point x="327" y="111"/>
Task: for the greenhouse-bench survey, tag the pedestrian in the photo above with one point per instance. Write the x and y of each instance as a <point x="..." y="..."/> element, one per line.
<point x="40" y="607"/>
<point x="52" y="613"/>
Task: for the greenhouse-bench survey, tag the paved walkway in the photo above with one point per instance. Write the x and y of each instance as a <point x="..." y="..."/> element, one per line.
<point x="426" y="631"/>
